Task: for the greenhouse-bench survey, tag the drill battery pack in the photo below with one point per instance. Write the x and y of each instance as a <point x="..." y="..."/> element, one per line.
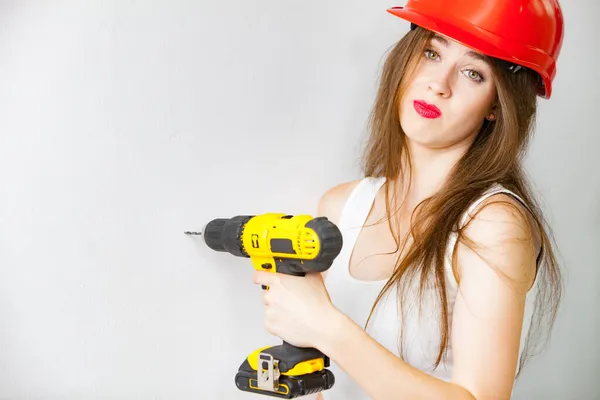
<point x="285" y="372"/>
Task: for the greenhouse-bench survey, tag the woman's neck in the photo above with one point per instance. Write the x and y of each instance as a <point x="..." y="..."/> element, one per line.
<point x="430" y="169"/>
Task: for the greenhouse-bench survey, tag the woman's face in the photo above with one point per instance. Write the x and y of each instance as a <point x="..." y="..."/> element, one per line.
<point x="451" y="93"/>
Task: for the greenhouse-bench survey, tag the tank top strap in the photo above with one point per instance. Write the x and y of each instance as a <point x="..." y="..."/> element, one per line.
<point x="357" y="209"/>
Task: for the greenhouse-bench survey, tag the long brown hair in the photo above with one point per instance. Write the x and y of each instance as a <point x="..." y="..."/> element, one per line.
<point x="494" y="157"/>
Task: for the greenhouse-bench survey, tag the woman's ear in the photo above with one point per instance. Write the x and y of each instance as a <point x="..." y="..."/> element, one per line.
<point x="492" y="114"/>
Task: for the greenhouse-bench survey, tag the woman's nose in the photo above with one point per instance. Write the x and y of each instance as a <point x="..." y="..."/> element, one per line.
<point x="439" y="82"/>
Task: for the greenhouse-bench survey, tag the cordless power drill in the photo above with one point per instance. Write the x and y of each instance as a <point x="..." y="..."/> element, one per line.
<point x="286" y="244"/>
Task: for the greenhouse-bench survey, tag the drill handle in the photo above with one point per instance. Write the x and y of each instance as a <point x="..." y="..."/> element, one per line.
<point x="289" y="267"/>
<point x="287" y="272"/>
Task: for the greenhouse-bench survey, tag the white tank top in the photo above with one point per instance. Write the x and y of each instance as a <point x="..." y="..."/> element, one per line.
<point x="355" y="298"/>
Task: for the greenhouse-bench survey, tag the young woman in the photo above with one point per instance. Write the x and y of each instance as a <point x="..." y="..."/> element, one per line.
<point x="445" y="249"/>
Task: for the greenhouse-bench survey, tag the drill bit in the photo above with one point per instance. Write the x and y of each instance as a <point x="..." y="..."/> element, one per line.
<point x="192" y="233"/>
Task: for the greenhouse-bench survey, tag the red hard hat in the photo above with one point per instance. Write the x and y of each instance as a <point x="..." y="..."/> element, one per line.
<point x="528" y="33"/>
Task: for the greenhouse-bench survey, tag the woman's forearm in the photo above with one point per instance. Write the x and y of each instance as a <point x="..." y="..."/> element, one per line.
<point x="381" y="374"/>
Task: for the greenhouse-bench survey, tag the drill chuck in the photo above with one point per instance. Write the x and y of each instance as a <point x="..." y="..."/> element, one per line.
<point x="224" y="234"/>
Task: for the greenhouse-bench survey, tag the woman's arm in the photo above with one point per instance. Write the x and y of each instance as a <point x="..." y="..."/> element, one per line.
<point x="487" y="320"/>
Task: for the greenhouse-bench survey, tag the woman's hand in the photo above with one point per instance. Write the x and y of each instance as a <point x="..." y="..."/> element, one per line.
<point x="298" y="309"/>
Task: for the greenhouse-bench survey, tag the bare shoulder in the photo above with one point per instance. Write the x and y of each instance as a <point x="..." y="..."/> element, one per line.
<point x="500" y="232"/>
<point x="332" y="201"/>
<point x="500" y="214"/>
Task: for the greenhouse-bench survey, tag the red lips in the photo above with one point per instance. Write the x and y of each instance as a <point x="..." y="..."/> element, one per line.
<point x="427" y="110"/>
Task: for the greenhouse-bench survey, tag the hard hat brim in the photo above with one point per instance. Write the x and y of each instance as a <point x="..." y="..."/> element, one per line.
<point x="486" y="43"/>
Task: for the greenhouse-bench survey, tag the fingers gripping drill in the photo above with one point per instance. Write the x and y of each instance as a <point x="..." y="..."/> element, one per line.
<point x="286" y="244"/>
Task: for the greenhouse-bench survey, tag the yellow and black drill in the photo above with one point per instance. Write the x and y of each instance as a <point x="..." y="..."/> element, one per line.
<point x="286" y="244"/>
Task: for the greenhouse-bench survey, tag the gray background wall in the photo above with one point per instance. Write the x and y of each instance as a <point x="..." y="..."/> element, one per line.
<point x="124" y="123"/>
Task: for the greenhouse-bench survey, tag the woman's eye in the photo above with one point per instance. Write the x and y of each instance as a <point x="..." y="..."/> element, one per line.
<point x="431" y="54"/>
<point x="474" y="75"/>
